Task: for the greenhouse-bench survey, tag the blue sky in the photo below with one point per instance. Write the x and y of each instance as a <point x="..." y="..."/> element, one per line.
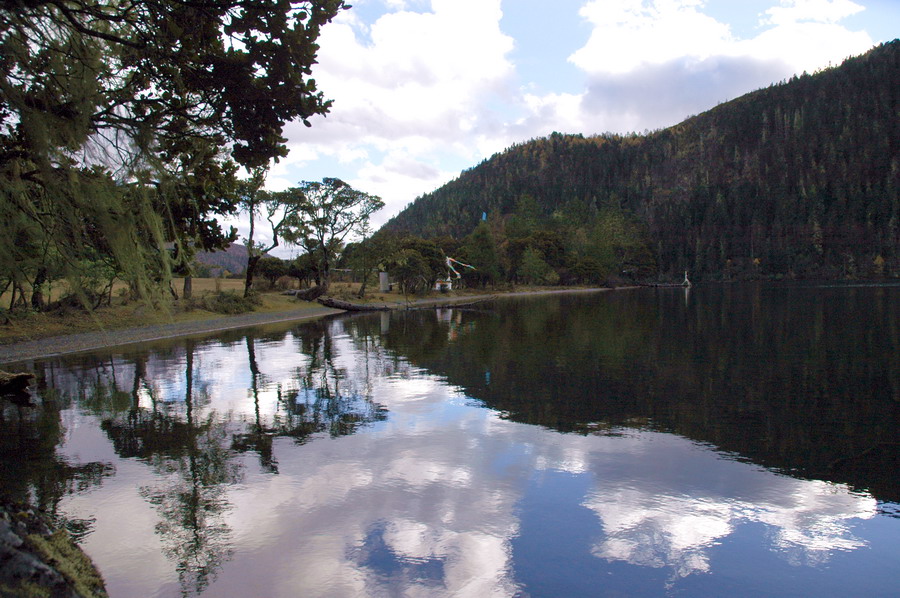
<point x="423" y="89"/>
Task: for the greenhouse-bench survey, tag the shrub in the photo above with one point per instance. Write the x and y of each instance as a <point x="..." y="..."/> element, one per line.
<point x="228" y="302"/>
<point x="284" y="283"/>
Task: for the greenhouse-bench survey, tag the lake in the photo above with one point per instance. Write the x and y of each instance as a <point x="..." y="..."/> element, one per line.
<point x="735" y="440"/>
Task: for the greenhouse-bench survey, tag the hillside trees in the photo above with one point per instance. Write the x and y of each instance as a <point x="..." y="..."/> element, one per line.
<point x="799" y="179"/>
<point x="99" y="96"/>
<point x="480" y="251"/>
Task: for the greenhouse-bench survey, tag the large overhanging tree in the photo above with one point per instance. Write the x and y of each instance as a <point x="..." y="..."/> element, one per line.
<point x="101" y="100"/>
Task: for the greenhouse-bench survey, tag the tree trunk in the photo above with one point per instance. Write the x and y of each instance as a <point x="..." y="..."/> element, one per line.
<point x="326" y="267"/>
<point x="37" y="289"/>
<point x="251" y="269"/>
<point x="313" y="293"/>
<point x="18" y="297"/>
<point x="187" y="290"/>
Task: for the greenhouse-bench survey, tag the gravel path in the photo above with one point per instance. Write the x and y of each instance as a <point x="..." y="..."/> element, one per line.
<point x="91" y="341"/>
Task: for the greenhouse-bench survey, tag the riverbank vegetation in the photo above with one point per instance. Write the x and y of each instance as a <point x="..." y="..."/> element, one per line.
<point x="213" y="298"/>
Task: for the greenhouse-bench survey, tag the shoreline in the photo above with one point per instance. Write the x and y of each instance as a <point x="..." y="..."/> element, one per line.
<point x="55" y="346"/>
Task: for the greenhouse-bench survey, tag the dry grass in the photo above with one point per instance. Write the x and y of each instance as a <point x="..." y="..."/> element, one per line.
<point x="347" y="292"/>
<point x="199" y="285"/>
<point x="121" y="314"/>
<point x="30" y="326"/>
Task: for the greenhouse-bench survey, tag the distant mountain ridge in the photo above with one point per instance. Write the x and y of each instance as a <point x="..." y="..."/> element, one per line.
<point x="799" y="179"/>
<point x="233" y="259"/>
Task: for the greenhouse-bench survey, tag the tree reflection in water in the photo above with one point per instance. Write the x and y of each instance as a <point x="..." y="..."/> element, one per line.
<point x="31" y="470"/>
<point x="189" y="453"/>
<point x="319" y="397"/>
<point x="772" y="374"/>
<point x="450" y="492"/>
<point x="157" y="407"/>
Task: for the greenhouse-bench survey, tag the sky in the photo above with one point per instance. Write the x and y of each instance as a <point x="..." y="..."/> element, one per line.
<point x="424" y="89"/>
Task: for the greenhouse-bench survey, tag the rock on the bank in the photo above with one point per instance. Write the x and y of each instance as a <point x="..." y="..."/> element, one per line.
<point x="36" y="560"/>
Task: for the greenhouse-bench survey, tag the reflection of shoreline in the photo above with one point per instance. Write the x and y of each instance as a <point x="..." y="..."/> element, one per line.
<point x="94" y="341"/>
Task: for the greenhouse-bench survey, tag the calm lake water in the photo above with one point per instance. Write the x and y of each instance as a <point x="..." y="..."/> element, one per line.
<point x="727" y="441"/>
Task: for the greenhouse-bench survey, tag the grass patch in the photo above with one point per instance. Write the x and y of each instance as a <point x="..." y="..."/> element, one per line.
<point x="28" y="325"/>
<point x="59" y="551"/>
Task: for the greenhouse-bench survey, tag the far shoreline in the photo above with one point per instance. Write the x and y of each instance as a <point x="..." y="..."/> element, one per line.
<point x="19" y="353"/>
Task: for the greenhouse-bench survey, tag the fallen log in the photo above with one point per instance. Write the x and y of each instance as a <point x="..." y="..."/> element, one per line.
<point x="311" y="294"/>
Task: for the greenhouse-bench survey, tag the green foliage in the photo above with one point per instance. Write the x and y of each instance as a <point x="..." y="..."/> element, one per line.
<point x="435" y="262"/>
<point x="411" y="271"/>
<point x="112" y="121"/>
<point x="526" y="218"/>
<point x="272" y="268"/>
<point x="326" y="214"/>
<point x="303" y="268"/>
<point x="480" y="251"/>
<point x="534" y="270"/>
<point x="792" y="180"/>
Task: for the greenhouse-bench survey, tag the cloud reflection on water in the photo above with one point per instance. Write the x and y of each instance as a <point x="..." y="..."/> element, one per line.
<point x="428" y="502"/>
<point x="441" y="481"/>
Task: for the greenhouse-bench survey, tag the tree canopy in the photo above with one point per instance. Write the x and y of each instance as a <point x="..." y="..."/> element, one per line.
<point x="105" y="105"/>
<point x="328" y="212"/>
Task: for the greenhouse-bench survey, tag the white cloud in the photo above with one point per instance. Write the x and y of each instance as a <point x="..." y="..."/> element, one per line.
<point x="631" y="33"/>
<point x="651" y="63"/>
<point x="422" y="74"/>
<point x="439" y="483"/>
<point x="398" y="179"/>
<point x="280" y="175"/>
<point x="429" y="88"/>
<point x="407" y="86"/>
<point x="805" y="46"/>
<point x="817" y="11"/>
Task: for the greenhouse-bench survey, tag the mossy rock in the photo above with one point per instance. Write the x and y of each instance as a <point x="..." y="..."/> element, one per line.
<point x="38" y="561"/>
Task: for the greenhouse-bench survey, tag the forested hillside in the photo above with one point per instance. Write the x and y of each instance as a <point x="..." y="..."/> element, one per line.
<point x="799" y="179"/>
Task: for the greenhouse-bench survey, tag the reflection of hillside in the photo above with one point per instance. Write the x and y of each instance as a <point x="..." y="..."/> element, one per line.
<point x="773" y="375"/>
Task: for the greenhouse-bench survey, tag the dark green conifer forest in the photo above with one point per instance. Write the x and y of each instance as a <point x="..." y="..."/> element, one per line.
<point x="799" y="180"/>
